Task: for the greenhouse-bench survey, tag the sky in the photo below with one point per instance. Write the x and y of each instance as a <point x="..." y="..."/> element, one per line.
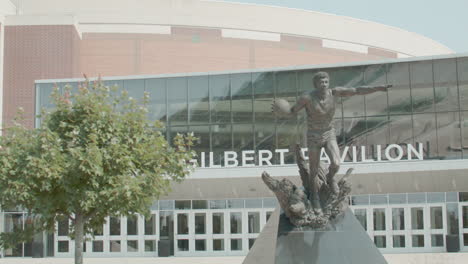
<point x="444" y="21"/>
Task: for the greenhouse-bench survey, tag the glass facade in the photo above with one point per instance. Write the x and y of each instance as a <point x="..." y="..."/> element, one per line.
<point x="232" y="112"/>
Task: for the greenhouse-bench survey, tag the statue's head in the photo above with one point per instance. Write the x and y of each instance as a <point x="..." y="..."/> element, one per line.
<point x="321" y="81"/>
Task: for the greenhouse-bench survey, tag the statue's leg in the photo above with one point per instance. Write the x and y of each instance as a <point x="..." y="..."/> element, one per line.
<point x="314" y="163"/>
<point x="333" y="152"/>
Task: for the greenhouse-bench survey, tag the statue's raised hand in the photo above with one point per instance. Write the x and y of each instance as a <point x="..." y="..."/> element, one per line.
<point x="280" y="107"/>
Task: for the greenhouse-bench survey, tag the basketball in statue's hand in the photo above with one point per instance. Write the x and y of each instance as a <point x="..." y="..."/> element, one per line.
<point x="281" y="106"/>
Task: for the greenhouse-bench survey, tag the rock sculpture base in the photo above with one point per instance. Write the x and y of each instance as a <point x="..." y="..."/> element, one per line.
<point x="342" y="240"/>
<point x="296" y="203"/>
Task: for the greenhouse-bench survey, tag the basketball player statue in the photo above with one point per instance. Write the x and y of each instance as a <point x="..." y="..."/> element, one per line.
<point x="319" y="105"/>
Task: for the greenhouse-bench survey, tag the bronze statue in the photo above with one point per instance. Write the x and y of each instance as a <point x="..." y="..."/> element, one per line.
<point x="319" y="105"/>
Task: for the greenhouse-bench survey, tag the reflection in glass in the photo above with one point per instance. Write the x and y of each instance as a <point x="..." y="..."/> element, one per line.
<point x="399" y="99"/>
<point x="135" y="88"/>
<point x="200" y="223"/>
<point x="221" y="141"/>
<point x="114" y="226"/>
<point x="218" y="244"/>
<point x="417" y="240"/>
<point x="462" y="70"/>
<point x="200" y="244"/>
<point x="236" y="244"/>
<point x="183" y="204"/>
<point x="98" y="246"/>
<point x="114" y="246"/>
<point x="401" y="129"/>
<point x="236" y="223"/>
<point x="379" y="219"/>
<point x="254" y="222"/>
<point x="132" y="245"/>
<point x="199" y="204"/>
<point x="449" y="135"/>
<point x="424" y="131"/>
<point x="399" y="241"/>
<point x="62" y="246"/>
<point x="436" y="218"/>
<point x="437" y="240"/>
<point x="465" y="216"/>
<point x="62" y="227"/>
<point x="177" y="101"/>
<point x="380" y="241"/>
<point x="251" y="242"/>
<point x="376" y="103"/>
<point x="156" y="89"/>
<point x="242" y="138"/>
<point x="445" y="85"/>
<point x="199" y="107"/>
<point x="220" y="99"/>
<point x="132" y="225"/>
<point x="218" y="223"/>
<point x="182" y="245"/>
<point x="150" y="246"/>
<point x="242" y="104"/>
<point x="361" y="216"/>
<point x="417" y="218"/>
<point x="166" y="224"/>
<point x="150" y="225"/>
<point x="422" y="90"/>
<point x="182" y="224"/>
<point x="398" y="218"/>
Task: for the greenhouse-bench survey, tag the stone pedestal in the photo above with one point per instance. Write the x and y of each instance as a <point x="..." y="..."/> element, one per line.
<point x="343" y="240"/>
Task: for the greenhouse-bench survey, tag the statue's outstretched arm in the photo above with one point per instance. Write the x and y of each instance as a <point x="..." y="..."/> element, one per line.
<point x="282" y="107"/>
<point x="362" y="90"/>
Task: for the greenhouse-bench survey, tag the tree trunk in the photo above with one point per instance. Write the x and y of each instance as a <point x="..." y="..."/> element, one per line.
<point x="79" y="236"/>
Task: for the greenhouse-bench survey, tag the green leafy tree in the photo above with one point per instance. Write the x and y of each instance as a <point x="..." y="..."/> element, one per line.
<point x="95" y="155"/>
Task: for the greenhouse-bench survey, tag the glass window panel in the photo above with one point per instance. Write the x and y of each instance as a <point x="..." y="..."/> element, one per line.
<point x="416" y="197"/>
<point x="400" y="130"/>
<point x="254" y="222"/>
<point x="268" y="214"/>
<point x="242" y="96"/>
<point x="166" y="224"/>
<point x="452" y="218"/>
<point x="378" y="199"/>
<point x="200" y="245"/>
<point x="218" y="244"/>
<point x="451" y="196"/>
<point x="235" y="203"/>
<point x="166" y="205"/>
<point x="353" y="106"/>
<point x="218" y="223"/>
<point x="263" y="88"/>
<point x="465" y="216"/>
<point x="199" y="105"/>
<point x="150" y="245"/>
<point x="157" y="102"/>
<point x="200" y="223"/>
<point x="376" y="133"/>
<point x="174" y="130"/>
<point x="449" y="135"/>
<point x="437" y="240"/>
<point x="243" y="137"/>
<point x="286" y="88"/>
<point x="360" y="199"/>
<point x="177" y="100"/>
<point x="379" y="219"/>
<point x="154" y="205"/>
<point x="182" y="245"/>
<point x="287" y="138"/>
<point x="251" y="242"/>
<point x="135" y="89"/>
<point x="361" y="215"/>
<point x="422" y="90"/>
<point x="380" y="241"/>
<point x="98" y="246"/>
<point x="355" y="133"/>
<point x="114" y="246"/>
<point x="150" y="225"/>
<point x="265" y="136"/>
<point x="221" y="141"/>
<point x="438" y="197"/>
<point x="132" y="245"/>
<point x="462" y="71"/>
<point x="253" y="203"/>
<point x="99" y="231"/>
<point x="397" y="198"/>
<point x="132" y="225"/>
<point x="270" y="202"/>
<point x="424" y="132"/>
<point x="220" y="99"/>
<point x="464" y="133"/>
<point x="417" y="218"/>
<point x="376" y="103"/>
<point x="183" y="204"/>
<point x="399" y="241"/>
<point x="445" y="85"/>
<point x="465" y="239"/>
<point x="398" y="218"/>
<point x="182" y="224"/>
<point x="16" y="251"/>
<point x="202" y="144"/>
<point x="236" y="223"/>
<point x="418" y="240"/>
<point x="62" y="227"/>
<point x="45" y="91"/>
<point x="217" y="204"/>
<point x="62" y="246"/>
<point x="236" y="244"/>
<point x="399" y="99"/>
<point x="305" y="81"/>
<point x="114" y="226"/>
<point x="200" y="204"/>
